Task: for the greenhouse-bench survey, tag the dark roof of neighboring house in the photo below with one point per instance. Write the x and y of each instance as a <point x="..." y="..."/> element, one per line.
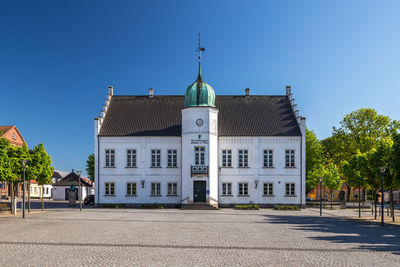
<point x="59" y="174"/>
<point x="72" y="178"/>
<point x="256" y="115"/>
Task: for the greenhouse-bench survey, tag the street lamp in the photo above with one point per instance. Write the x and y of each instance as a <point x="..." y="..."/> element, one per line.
<point x="80" y="190"/>
<point x="320" y="196"/>
<point x="23" y="188"/>
<point x="382" y="170"/>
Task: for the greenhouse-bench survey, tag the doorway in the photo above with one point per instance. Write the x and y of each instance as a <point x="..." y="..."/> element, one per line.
<point x="199" y="191"/>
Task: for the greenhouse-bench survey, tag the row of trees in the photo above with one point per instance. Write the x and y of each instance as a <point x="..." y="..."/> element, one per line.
<point x="353" y="154"/>
<point x="11" y="169"/>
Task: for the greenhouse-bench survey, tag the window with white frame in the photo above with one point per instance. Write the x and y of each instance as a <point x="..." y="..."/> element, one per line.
<point x="131" y="158"/>
<point x="226" y="158"/>
<point x="290" y="158"/>
<point x="155" y="158"/>
<point x="130" y="189"/>
<point x="226" y="189"/>
<point x="110" y="158"/>
<point x="243" y="158"/>
<point x="290" y="189"/>
<point x="172" y="189"/>
<point x="172" y="158"/>
<point x="109" y="189"/>
<point x="199" y="155"/>
<point x="243" y="189"/>
<point x="268" y="189"/>
<point x="268" y="158"/>
<point x="156" y="189"/>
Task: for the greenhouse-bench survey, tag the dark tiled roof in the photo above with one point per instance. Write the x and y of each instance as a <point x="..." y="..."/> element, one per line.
<point x="238" y="116"/>
<point x="71" y="178"/>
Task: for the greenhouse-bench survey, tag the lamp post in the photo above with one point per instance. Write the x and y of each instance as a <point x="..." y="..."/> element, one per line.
<point x="382" y="170"/>
<point x="80" y="190"/>
<point x="320" y="196"/>
<point x="23" y="188"/>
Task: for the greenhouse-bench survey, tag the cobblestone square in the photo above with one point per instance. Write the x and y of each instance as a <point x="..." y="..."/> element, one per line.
<point x="133" y="237"/>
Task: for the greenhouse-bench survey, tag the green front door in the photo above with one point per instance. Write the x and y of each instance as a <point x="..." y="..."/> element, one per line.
<point x="199" y="191"/>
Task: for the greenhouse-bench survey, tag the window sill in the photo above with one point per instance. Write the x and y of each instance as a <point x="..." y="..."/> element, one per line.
<point x="172" y="195"/>
<point x="268" y="167"/>
<point x="290" y="196"/>
<point x="268" y="195"/>
<point x="244" y="167"/>
<point x="155" y="195"/>
<point x="243" y="195"/>
<point x="131" y="167"/>
<point x="155" y="167"/>
<point x="286" y="167"/>
<point x="109" y="167"/>
<point x="226" y="167"/>
<point x="130" y="195"/>
<point x="109" y="195"/>
<point x="172" y="167"/>
<point x="226" y="195"/>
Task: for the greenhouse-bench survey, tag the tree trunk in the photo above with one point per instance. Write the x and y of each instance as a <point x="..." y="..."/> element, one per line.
<point x="391" y="204"/>
<point x="348" y="193"/>
<point x="42" y="198"/>
<point x="29" y="196"/>
<point x="12" y="197"/>
<point x="375" y="202"/>
<point x="359" y="202"/>
<point x="331" y="200"/>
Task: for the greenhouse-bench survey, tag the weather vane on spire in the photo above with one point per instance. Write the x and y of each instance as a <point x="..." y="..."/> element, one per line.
<point x="200" y="49"/>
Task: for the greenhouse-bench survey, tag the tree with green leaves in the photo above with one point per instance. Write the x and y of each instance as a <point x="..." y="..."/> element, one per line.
<point x="330" y="178"/>
<point x="90" y="167"/>
<point x="396" y="156"/>
<point x="16" y="154"/>
<point x="361" y="131"/>
<point x="5" y="167"/>
<point x="354" y="176"/>
<point x="41" y="167"/>
<point x="313" y="155"/>
<point x="383" y="156"/>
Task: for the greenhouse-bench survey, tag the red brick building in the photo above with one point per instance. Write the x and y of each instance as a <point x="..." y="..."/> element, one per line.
<point x="12" y="134"/>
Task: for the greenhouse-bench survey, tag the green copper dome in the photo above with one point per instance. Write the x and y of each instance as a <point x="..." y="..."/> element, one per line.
<point x="199" y="94"/>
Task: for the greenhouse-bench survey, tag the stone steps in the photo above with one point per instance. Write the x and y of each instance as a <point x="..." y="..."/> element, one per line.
<point x="198" y="206"/>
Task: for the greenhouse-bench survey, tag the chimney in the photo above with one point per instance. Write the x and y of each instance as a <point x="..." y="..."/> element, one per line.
<point x="151" y="92"/>
<point x="110" y="90"/>
<point x="288" y="90"/>
<point x="247" y="92"/>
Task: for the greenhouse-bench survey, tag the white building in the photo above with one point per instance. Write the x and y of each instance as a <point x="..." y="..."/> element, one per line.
<point x="62" y="187"/>
<point x="200" y="148"/>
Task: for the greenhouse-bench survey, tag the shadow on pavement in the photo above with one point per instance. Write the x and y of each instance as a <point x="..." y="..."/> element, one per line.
<point x="368" y="236"/>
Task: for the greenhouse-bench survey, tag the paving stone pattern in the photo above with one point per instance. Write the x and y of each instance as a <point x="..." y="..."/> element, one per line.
<point x="129" y="237"/>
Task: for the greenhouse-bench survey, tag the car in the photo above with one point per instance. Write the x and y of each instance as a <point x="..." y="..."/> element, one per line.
<point x="89" y="200"/>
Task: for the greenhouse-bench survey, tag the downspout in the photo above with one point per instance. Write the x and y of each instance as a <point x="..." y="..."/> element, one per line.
<point x="98" y="169"/>
<point x="301" y="172"/>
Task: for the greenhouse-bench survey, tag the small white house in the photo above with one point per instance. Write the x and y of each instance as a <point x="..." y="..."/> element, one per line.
<point x="71" y="181"/>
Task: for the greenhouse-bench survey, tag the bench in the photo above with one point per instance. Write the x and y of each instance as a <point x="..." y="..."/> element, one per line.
<point x="4" y="207"/>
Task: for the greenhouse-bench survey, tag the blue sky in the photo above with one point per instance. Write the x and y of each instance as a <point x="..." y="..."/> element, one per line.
<point x="57" y="59"/>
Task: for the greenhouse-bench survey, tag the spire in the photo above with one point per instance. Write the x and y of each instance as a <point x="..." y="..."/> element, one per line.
<point x="199" y="78"/>
<point x="200" y="49"/>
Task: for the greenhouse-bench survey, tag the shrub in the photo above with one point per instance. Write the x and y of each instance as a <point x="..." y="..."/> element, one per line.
<point x="247" y="207"/>
<point x="285" y="207"/>
<point x="152" y="206"/>
<point x="113" y="206"/>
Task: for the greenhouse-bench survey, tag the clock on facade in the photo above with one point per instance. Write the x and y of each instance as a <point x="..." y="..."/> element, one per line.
<point x="199" y="122"/>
